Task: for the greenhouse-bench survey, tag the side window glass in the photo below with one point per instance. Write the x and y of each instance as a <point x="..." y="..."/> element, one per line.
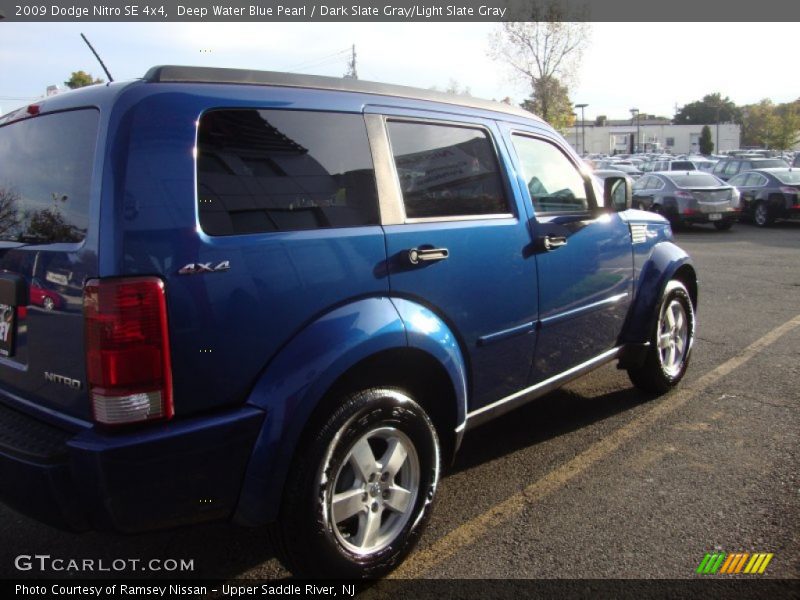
<point x="641" y="183"/>
<point x="739" y="181"/>
<point x="554" y="184"/>
<point x="655" y="184"/>
<point x="279" y="170"/>
<point x="446" y="170"/>
<point x="732" y="168"/>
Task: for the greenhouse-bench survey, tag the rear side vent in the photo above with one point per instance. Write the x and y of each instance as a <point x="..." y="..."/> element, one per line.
<point x="127" y="350"/>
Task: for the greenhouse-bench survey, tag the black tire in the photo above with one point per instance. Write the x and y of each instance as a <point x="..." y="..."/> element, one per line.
<point x="309" y="539"/>
<point x="762" y="216"/>
<point x="657" y="374"/>
<point x="723" y="225"/>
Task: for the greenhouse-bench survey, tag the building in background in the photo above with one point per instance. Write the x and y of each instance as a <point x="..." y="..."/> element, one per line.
<point x="605" y="136"/>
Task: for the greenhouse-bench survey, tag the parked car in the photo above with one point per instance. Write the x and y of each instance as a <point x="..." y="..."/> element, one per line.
<point x="728" y="167"/>
<point x="688" y="197"/>
<point x="769" y="194"/>
<point x="627" y="169"/>
<point x="672" y="165"/>
<point x="300" y="294"/>
<point x="40" y="295"/>
<point x="796" y="162"/>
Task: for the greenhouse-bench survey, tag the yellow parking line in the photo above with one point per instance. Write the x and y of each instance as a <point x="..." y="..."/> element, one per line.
<point x="469" y="532"/>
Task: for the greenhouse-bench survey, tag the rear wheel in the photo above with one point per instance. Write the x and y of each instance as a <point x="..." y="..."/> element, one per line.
<point x="670" y="342"/>
<point x="761" y="215"/>
<point x="358" y="493"/>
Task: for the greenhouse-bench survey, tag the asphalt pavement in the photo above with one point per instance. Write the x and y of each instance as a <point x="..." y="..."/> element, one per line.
<point x="594" y="480"/>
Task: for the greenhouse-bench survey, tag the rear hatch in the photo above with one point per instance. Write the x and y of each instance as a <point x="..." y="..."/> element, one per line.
<point x="47" y="250"/>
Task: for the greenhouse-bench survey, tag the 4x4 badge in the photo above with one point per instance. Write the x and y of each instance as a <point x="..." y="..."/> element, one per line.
<point x="197" y="268"/>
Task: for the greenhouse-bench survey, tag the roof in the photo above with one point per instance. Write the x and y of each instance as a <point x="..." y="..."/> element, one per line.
<point x="184" y="74"/>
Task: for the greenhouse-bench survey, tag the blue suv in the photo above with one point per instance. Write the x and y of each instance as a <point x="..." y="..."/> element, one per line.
<point x="283" y="300"/>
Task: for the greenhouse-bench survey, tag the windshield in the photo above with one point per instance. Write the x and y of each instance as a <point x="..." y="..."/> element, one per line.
<point x="45" y="177"/>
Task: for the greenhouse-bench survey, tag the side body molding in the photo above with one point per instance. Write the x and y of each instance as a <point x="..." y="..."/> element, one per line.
<point x="654" y="272"/>
<point x="297" y="378"/>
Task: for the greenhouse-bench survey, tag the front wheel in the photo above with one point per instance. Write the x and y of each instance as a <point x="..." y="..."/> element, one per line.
<point x="670" y="343"/>
<point x="358" y="493"/>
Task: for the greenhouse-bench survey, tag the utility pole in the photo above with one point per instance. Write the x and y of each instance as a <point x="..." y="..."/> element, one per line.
<point x="635" y="113"/>
<point x="583" y="127"/>
<point x="352" y="72"/>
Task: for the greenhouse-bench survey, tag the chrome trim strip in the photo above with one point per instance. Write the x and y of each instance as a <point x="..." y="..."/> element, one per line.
<point x="521" y="397"/>
<point x="390" y="198"/>
<point x="506" y="333"/>
<point x="461" y="218"/>
<point x="581" y="309"/>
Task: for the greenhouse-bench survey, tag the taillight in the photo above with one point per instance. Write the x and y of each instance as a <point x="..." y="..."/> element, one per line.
<point x="789" y="190"/>
<point x="685" y="195"/>
<point x="127" y="350"/>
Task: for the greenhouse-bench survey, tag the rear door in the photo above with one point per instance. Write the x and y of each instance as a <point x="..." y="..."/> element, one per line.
<point x="459" y="243"/>
<point x="48" y="248"/>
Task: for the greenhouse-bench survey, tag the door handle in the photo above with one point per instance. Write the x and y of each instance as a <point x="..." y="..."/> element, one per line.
<point x="418" y="255"/>
<point x="551" y="242"/>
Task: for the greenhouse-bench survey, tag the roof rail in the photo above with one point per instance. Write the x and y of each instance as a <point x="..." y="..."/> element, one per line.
<point x="184" y="74"/>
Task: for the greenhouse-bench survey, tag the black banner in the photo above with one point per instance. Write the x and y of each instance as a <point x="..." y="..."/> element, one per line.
<point x="707" y="588"/>
<point x="399" y="10"/>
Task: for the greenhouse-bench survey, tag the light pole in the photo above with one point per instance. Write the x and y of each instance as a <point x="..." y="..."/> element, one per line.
<point x="583" y="127"/>
<point x="635" y="113"/>
<point x="575" y="123"/>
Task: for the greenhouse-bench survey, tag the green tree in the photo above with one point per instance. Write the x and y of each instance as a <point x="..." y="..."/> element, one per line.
<point x="785" y="127"/>
<point x="706" y="145"/>
<point x="542" y="49"/>
<point x="550" y="100"/>
<point x="757" y="122"/>
<point x="712" y="108"/>
<point x="80" y="79"/>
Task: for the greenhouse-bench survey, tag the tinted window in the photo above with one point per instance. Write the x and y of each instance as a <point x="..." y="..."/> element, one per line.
<point x="555" y="185"/>
<point x="655" y="184"/>
<point x="739" y="180"/>
<point x="699" y="180"/>
<point x="446" y="171"/>
<point x="278" y="170"/>
<point x="683" y="165"/>
<point x="45" y="177"/>
<point x="731" y="168"/>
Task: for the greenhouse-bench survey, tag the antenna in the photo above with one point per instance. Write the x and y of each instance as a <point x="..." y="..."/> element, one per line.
<point x="97" y="56"/>
<point x="352" y="73"/>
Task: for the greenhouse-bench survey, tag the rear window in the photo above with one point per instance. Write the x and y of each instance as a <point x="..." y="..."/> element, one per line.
<point x="698" y="180"/>
<point x="683" y="165"/>
<point x="788" y="177"/>
<point x="280" y="170"/>
<point x="770" y="163"/>
<point x="45" y="177"/>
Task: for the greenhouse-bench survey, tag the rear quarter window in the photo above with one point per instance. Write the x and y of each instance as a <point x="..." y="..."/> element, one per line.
<point x="45" y="177"/>
<point x="279" y="170"/>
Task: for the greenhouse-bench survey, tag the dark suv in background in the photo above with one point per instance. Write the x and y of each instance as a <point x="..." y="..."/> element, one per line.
<point x="728" y="167"/>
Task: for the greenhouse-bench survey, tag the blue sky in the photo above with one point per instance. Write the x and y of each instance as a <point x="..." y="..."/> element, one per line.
<point x="651" y="66"/>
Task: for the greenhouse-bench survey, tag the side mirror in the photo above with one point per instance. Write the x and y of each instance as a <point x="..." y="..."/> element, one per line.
<point x="617" y="194"/>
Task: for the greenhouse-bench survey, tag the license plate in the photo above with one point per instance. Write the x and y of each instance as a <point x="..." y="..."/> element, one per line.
<point x="714" y="217"/>
<point x="7" y="329"/>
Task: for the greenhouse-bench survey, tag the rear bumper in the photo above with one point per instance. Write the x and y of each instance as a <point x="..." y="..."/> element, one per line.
<point x="172" y="474"/>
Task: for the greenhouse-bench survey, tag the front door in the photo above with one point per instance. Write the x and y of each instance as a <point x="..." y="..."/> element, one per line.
<point x="583" y="257"/>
